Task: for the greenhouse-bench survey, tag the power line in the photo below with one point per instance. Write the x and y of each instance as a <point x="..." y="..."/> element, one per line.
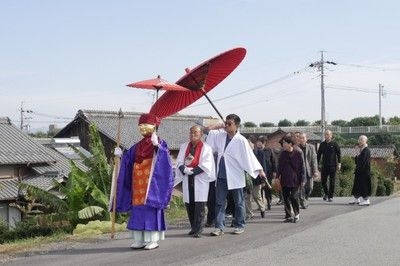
<point x="370" y="67"/>
<point x="358" y="89"/>
<point x="256" y="87"/>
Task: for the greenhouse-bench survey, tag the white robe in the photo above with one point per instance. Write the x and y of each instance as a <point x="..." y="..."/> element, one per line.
<point x="201" y="181"/>
<point x="238" y="155"/>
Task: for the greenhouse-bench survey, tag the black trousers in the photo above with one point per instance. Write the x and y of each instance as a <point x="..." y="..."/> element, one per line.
<point x="331" y="172"/>
<point x="291" y="200"/>
<point x="211" y="204"/>
<point x="195" y="210"/>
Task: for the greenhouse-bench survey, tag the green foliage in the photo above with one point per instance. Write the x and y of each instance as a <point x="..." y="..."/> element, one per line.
<point x="340" y="123"/>
<point x="89" y="212"/>
<point x="249" y="124"/>
<point x="394" y="120"/>
<point x="284" y="123"/>
<point x="176" y="210"/>
<point x="364" y="121"/>
<point x="267" y="124"/>
<point x="53" y="201"/>
<point x="27" y="228"/>
<point x="302" y="123"/>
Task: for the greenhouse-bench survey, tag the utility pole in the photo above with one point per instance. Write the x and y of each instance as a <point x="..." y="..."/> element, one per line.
<point x="22" y="116"/>
<point x="322" y="97"/>
<point x="380" y="104"/>
<point x="320" y="66"/>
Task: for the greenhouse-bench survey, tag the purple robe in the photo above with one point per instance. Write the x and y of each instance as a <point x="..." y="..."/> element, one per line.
<point x="150" y="216"/>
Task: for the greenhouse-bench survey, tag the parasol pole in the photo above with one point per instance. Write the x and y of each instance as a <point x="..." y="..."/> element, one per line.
<point x="115" y="176"/>
<point x="212" y="104"/>
<point x="187" y="70"/>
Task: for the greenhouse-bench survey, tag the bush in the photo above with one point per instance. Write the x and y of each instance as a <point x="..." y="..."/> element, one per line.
<point x="28" y="228"/>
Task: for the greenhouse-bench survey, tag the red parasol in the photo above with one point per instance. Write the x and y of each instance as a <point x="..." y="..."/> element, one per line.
<point x="199" y="81"/>
<point x="157" y="84"/>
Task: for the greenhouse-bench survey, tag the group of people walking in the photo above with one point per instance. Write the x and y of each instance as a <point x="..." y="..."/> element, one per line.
<point x="210" y="169"/>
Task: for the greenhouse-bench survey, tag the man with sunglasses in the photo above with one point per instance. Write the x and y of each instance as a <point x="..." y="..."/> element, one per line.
<point x="235" y="157"/>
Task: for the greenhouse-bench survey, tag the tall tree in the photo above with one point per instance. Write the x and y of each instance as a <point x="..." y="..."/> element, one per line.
<point x="302" y="123"/>
<point x="339" y="122"/>
<point x="249" y="124"/>
<point x="394" y="120"/>
<point x="267" y="124"/>
<point x="284" y="123"/>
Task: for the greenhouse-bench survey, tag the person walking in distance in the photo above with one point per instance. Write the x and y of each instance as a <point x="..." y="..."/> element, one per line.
<point x="329" y="151"/>
<point x="311" y="169"/>
<point x="362" y="174"/>
<point x="195" y="162"/>
<point x="291" y="175"/>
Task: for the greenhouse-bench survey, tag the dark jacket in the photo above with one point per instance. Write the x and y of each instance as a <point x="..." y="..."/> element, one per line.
<point x="330" y="153"/>
<point x="291" y="168"/>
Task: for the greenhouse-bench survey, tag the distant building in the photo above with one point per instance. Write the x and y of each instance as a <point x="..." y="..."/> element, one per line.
<point x="27" y="160"/>
<point x="174" y="129"/>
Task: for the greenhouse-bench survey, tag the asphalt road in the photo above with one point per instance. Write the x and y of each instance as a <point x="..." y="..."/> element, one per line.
<point x="327" y="234"/>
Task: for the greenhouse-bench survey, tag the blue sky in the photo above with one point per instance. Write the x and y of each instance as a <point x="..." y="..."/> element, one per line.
<point x="61" y="56"/>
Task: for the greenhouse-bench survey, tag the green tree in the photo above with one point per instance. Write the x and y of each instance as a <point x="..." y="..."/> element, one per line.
<point x="364" y="121"/>
<point x="302" y="123"/>
<point x="340" y="123"/>
<point x="394" y="120"/>
<point x="249" y="124"/>
<point x="317" y="123"/>
<point x="284" y="123"/>
<point x="267" y="124"/>
<point x="86" y="193"/>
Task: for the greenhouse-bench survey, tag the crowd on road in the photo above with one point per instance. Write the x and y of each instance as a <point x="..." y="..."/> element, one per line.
<point x="225" y="172"/>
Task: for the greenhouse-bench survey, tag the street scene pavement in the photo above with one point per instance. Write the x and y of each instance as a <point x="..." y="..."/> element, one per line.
<point x="328" y="233"/>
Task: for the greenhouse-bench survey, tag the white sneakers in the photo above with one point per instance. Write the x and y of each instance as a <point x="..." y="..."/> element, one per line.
<point x="354" y="201"/>
<point x="138" y="244"/>
<point x="151" y="245"/>
<point x="145" y="245"/>
<point x="364" y="202"/>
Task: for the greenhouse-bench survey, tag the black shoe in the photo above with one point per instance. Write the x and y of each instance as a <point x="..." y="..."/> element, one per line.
<point x="269" y="207"/>
<point x="288" y="220"/>
<point x="197" y="235"/>
<point x="262" y="214"/>
<point x="191" y="232"/>
<point x="304" y="207"/>
<point x="208" y="224"/>
<point x="325" y="197"/>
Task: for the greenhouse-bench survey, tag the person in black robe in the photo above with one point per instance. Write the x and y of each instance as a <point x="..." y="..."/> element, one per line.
<point x="362" y="175"/>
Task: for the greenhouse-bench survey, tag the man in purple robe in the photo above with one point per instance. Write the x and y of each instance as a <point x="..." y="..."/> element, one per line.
<point x="145" y="184"/>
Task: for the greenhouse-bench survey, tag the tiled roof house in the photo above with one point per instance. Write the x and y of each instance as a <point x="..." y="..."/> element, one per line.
<point x="174" y="129"/>
<point x="24" y="159"/>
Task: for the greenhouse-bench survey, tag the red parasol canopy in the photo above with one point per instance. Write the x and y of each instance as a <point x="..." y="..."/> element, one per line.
<point x="157" y="84"/>
<point x="199" y="81"/>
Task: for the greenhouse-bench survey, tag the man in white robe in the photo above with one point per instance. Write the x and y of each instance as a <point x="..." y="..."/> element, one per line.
<point x="235" y="157"/>
<point x="195" y="166"/>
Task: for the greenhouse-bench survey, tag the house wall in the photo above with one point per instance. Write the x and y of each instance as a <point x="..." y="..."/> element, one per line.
<point x="9" y="214"/>
<point x="7" y="171"/>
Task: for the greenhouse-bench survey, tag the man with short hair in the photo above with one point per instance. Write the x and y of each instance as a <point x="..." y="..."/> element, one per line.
<point x="195" y="165"/>
<point x="329" y="151"/>
<point x="311" y="169"/>
<point x="235" y="157"/>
